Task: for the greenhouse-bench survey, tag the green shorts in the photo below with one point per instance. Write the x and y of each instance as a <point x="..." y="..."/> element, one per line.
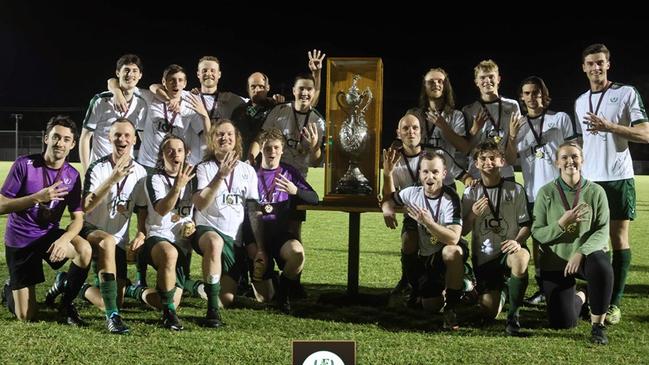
<point x="621" y="198"/>
<point x="146" y="256"/>
<point x="227" y="255"/>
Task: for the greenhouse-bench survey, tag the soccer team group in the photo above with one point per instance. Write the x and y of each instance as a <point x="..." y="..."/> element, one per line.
<point x="221" y="176"/>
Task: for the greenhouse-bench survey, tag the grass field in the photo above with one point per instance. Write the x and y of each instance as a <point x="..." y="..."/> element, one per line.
<point x="383" y="335"/>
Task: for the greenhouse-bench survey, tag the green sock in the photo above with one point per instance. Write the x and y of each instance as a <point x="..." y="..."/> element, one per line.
<point x="135" y="292"/>
<point x="167" y="298"/>
<point x="621" y="264"/>
<point x="108" y="289"/>
<point x="212" y="291"/>
<point x="517" y="287"/>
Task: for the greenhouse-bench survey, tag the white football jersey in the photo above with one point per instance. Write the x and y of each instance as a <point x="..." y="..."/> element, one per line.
<point x="296" y="149"/>
<point x="537" y="157"/>
<point x="226" y="212"/>
<point x="113" y="214"/>
<point x="606" y="155"/>
<point x="169" y="226"/>
<point x="448" y="205"/>
<point x="100" y="116"/>
<point x="496" y="127"/>
<point x="488" y="232"/>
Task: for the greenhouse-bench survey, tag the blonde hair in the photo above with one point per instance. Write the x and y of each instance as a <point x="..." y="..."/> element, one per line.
<point x="485" y="66"/>
<point x="212" y="140"/>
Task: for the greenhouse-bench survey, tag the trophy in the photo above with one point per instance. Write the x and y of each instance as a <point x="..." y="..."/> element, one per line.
<point x="353" y="137"/>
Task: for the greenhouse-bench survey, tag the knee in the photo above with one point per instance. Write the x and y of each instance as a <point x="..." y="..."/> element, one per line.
<point x="107" y="245"/>
<point x="451" y="253"/>
<point x="84" y="252"/>
<point x="169" y="257"/>
<point x="520" y="259"/>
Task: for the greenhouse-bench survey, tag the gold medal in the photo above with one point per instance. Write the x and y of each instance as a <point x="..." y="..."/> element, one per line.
<point x="188" y="229"/>
<point x="175" y="218"/>
<point x="539" y="154"/>
<point x="572" y="228"/>
<point x="229" y="200"/>
<point x="121" y="208"/>
<point x="268" y="208"/>
<point x="497" y="139"/>
<point x="433" y="240"/>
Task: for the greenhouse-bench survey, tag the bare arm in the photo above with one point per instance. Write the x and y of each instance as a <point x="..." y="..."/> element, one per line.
<point x="121" y="169"/>
<point x="315" y="65"/>
<point x="638" y="133"/>
<point x="203" y="198"/>
<point x="166" y="204"/>
<point x="84" y="149"/>
<point x="515" y="123"/>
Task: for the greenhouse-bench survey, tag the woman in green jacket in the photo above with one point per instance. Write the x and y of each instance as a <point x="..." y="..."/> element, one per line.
<point x="571" y="221"/>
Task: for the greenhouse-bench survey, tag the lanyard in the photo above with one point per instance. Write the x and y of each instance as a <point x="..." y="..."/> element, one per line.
<point x="413" y="174"/>
<point x="599" y="102"/>
<point x="171" y="187"/>
<point x="173" y="116"/>
<point x="430" y="209"/>
<point x="120" y="185"/>
<point x="298" y="130"/>
<point x="537" y="137"/>
<point x="268" y="191"/>
<point x="495" y="124"/>
<point x="495" y="210"/>
<point x="564" y="199"/>
<point x="216" y="97"/>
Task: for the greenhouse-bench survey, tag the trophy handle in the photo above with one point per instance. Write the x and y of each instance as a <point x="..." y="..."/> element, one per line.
<point x="367" y="95"/>
<point x="340" y="99"/>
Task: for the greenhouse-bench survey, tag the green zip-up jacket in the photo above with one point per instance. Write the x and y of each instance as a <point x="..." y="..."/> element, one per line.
<point x="558" y="245"/>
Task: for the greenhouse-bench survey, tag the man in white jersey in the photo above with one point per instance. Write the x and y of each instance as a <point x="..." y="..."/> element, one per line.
<point x="188" y="120"/>
<point x="398" y="176"/>
<point x="113" y="189"/>
<point x="226" y="188"/>
<point x="533" y="142"/>
<point x="436" y="209"/>
<point x="443" y="126"/>
<point x="489" y="116"/>
<point x="104" y="110"/>
<point x="496" y="212"/>
<point x="169" y="228"/>
<point x="302" y="126"/>
<point x="611" y="115"/>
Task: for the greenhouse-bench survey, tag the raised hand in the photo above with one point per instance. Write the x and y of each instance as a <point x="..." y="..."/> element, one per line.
<point x="227" y="165"/>
<point x="52" y="192"/>
<point x="596" y="123"/>
<point x="123" y="167"/>
<point x="196" y="104"/>
<point x="421" y="215"/>
<point x="285" y="185"/>
<point x="310" y="133"/>
<point x="315" y="60"/>
<point x="480" y="206"/>
<point x="515" y="124"/>
<point x="184" y="176"/>
<point x="390" y="158"/>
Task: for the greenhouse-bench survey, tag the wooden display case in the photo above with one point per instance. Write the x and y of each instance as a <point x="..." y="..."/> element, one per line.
<point x="349" y="83"/>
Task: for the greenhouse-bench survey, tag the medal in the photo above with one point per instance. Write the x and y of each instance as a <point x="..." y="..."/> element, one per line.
<point x="268" y="208"/>
<point x="268" y="191"/>
<point x="229" y="200"/>
<point x="120" y="208"/>
<point x="497" y="139"/>
<point x="175" y="218"/>
<point x="572" y="228"/>
<point x="497" y="229"/>
<point x="188" y="229"/>
<point x="494" y="223"/>
<point x="539" y="154"/>
<point x="433" y="240"/>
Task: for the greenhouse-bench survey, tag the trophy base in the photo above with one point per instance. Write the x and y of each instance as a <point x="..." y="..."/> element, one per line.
<point x="353" y="182"/>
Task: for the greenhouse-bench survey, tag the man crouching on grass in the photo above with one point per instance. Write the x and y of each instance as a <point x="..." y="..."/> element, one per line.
<point x="436" y="209"/>
<point x="35" y="193"/>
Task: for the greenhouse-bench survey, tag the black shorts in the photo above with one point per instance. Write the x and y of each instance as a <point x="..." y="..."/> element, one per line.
<point x="492" y="275"/>
<point x="409" y="224"/>
<point x="145" y="254"/>
<point x="25" y="264"/>
<point x="120" y="254"/>
<point x="432" y="280"/>
<point x="240" y="263"/>
<point x="273" y="244"/>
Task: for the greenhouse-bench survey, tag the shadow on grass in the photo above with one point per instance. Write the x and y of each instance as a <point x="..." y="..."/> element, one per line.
<point x="376" y="306"/>
<point x="637" y="289"/>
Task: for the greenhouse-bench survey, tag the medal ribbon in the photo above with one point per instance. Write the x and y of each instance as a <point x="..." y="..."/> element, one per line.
<point x="495" y="211"/>
<point x="564" y="199"/>
<point x="268" y="191"/>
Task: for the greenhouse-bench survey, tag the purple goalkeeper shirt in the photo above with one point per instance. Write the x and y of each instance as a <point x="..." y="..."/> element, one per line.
<point x="268" y="193"/>
<point x="25" y="178"/>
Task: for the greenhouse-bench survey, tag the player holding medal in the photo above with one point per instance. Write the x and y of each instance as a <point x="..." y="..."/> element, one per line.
<point x="571" y="222"/>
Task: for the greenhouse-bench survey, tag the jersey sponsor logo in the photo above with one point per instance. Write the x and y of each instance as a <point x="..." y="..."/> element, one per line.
<point x="161" y="125"/>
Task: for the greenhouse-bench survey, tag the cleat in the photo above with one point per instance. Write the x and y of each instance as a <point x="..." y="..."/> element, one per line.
<point x="536" y="299"/>
<point x="613" y="314"/>
<point x="56" y="289"/>
<point x="170" y="320"/>
<point x="213" y="319"/>
<point x="598" y="334"/>
<point x="115" y="325"/>
<point x="70" y="315"/>
<point x="513" y="328"/>
<point x="450" y="320"/>
<point x="402" y="287"/>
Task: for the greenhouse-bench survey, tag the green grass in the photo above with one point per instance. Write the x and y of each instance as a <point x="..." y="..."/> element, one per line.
<point x="383" y="335"/>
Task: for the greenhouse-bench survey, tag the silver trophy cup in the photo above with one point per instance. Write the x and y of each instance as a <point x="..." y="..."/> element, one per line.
<point x="353" y="137"/>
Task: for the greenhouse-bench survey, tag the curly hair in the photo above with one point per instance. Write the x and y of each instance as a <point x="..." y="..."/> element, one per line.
<point x="160" y="162"/>
<point x="212" y="140"/>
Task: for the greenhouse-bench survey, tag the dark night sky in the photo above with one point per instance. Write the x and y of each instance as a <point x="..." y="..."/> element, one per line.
<point x="61" y="56"/>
